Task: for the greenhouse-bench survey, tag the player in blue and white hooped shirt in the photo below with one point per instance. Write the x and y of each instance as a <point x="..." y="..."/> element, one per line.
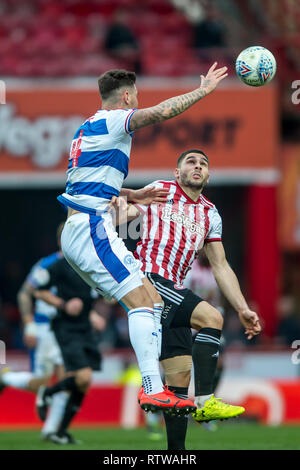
<point x="46" y="358"/>
<point x="46" y="353"/>
<point x="98" y="165"/>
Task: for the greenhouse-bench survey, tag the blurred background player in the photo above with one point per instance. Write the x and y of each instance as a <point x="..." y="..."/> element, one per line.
<point x="45" y="355"/>
<point x="74" y="301"/>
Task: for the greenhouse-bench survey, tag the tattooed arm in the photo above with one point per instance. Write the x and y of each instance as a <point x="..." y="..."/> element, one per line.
<point x="178" y="104"/>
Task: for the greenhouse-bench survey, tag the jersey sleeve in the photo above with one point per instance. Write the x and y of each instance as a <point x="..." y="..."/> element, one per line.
<point x="45" y="278"/>
<point x="118" y="122"/>
<point x="33" y="275"/>
<point x="214" y="233"/>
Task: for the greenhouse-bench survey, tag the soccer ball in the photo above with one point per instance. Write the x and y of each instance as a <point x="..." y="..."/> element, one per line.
<point x="255" y="66"/>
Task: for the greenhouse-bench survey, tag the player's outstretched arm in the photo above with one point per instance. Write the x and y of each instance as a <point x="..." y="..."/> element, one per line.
<point x="126" y="211"/>
<point x="229" y="285"/>
<point x="146" y="196"/>
<point x="178" y="104"/>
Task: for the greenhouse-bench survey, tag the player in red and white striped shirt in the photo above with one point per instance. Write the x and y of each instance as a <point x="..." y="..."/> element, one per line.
<point x="173" y="234"/>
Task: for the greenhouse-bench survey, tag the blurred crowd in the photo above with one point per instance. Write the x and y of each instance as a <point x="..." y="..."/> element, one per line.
<point x="50" y="38"/>
<point x="158" y="37"/>
<point x="163" y="38"/>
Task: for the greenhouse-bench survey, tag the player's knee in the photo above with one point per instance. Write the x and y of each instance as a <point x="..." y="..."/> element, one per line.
<point x="211" y="319"/>
<point x="219" y="320"/>
<point x="83" y="385"/>
<point x="60" y="372"/>
<point x="83" y="379"/>
<point x="215" y="320"/>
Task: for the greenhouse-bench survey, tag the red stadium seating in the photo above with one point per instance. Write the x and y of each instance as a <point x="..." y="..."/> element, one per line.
<point x="49" y="38"/>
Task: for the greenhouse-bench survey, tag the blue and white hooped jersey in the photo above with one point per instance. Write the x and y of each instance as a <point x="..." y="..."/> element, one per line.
<point x="98" y="162"/>
<point x="43" y="312"/>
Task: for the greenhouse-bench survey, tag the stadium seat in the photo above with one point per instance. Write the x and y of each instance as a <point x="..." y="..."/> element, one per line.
<point x="40" y="37"/>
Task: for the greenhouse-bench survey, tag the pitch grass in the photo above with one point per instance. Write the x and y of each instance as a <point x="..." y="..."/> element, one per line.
<point x="228" y="437"/>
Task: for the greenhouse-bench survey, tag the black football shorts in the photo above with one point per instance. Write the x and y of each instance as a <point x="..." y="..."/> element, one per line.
<point x="179" y="304"/>
<point x="79" y="349"/>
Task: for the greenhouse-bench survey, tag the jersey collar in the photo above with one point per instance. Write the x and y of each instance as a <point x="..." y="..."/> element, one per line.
<point x="186" y="196"/>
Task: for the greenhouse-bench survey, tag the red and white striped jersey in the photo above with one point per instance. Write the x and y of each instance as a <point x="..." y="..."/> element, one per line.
<point x="173" y="232"/>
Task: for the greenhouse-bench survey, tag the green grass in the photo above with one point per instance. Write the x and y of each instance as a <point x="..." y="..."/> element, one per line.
<point x="229" y="436"/>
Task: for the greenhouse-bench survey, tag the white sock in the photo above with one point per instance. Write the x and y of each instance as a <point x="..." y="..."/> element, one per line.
<point x="56" y="412"/>
<point x="17" y="379"/>
<point x="143" y="339"/>
<point x="201" y="399"/>
<point x="158" y="308"/>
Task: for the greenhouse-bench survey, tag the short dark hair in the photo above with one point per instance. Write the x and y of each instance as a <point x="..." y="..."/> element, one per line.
<point x="187" y="152"/>
<point x="112" y="80"/>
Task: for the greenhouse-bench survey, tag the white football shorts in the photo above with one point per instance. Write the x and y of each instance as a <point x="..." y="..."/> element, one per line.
<point x="47" y="353"/>
<point x="93" y="248"/>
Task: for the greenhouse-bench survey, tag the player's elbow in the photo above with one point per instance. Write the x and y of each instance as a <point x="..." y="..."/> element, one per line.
<point x="148" y="117"/>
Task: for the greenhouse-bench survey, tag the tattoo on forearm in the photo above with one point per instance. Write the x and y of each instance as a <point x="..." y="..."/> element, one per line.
<point x="167" y="109"/>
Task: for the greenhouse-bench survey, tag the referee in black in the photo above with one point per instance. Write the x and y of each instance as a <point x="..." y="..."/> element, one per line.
<point x="74" y="301"/>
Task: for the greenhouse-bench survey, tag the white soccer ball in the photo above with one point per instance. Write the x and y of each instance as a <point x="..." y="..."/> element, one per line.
<point x="255" y="66"/>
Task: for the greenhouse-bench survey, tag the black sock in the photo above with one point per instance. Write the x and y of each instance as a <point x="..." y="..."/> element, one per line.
<point x="72" y="408"/>
<point x="205" y="358"/>
<point x="67" y="384"/>
<point x="176" y="426"/>
<point x="217" y="377"/>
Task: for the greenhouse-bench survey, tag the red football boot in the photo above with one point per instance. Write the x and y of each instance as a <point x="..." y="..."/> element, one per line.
<point x="141" y="391"/>
<point x="166" y="401"/>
